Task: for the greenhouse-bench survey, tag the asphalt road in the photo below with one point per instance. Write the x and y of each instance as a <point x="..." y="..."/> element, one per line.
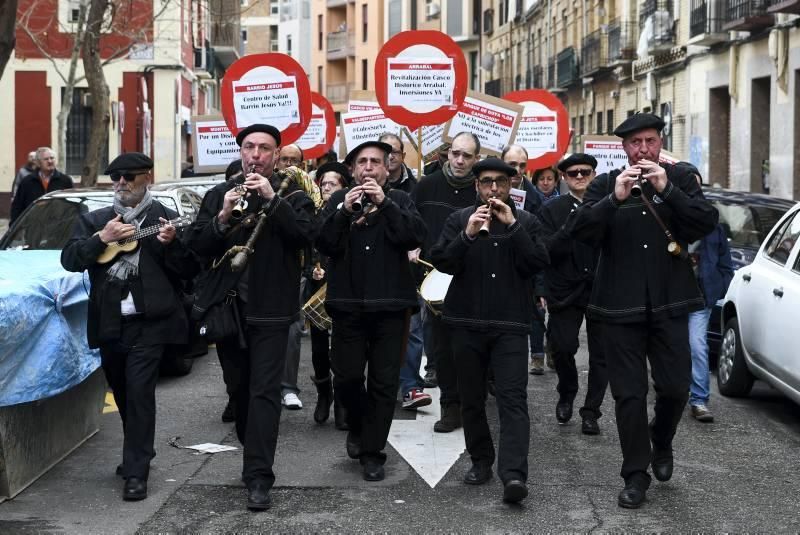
<point x="737" y="474"/>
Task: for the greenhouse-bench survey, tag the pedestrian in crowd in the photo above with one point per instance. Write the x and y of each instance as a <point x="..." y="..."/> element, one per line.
<point x="438" y="195"/>
<point x="370" y="297"/>
<point x="568" y="282"/>
<point x="290" y="155"/>
<point x="135" y="304"/>
<point x="643" y="217"/>
<point x="29" y="167"/>
<point x="546" y="183"/>
<point x="713" y="267"/>
<point x="328" y="157"/>
<point x="400" y="176"/>
<point x="516" y="156"/>
<point x="265" y="293"/>
<point x="488" y="307"/>
<point x="334" y="176"/>
<point x="442" y="156"/>
<point x="34" y="185"/>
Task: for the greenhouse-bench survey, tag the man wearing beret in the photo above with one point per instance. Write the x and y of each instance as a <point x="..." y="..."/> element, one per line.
<point x="643" y="217"/>
<point x="568" y="285"/>
<point x="371" y="295"/>
<point x="135" y="306"/>
<point x="488" y="308"/>
<point x="266" y="292"/>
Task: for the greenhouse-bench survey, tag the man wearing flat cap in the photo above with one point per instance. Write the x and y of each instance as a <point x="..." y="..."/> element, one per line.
<point x="367" y="231"/>
<point x="493" y="250"/>
<point x="266" y="291"/>
<point x="135" y="305"/>
<point x="568" y="285"/>
<point x="643" y="217"/>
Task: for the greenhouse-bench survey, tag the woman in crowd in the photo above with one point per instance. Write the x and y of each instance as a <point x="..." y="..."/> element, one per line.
<point x="546" y="182"/>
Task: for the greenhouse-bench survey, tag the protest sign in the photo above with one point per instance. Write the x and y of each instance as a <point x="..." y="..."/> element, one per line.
<point x="319" y="136"/>
<point x="358" y="127"/>
<point x="543" y="128"/>
<point x="493" y="120"/>
<point x="518" y="196"/>
<point x="610" y="155"/>
<point x="213" y="145"/>
<point x="431" y="139"/>
<point x="267" y="88"/>
<point x="420" y="78"/>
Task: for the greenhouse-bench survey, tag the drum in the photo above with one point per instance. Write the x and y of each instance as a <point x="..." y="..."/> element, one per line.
<point x="434" y="289"/>
<point x="314" y="309"/>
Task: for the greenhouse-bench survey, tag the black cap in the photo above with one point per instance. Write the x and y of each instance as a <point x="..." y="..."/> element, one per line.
<point x="336" y="167"/>
<point x="575" y="159"/>
<point x="129" y="161"/>
<point x="637" y="122"/>
<point x="385" y="147"/>
<point x="493" y="164"/>
<point x="258" y="127"/>
<point x="234" y="168"/>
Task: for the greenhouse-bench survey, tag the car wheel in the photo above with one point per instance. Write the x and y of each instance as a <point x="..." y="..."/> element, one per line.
<point x="176" y="365"/>
<point x="733" y="377"/>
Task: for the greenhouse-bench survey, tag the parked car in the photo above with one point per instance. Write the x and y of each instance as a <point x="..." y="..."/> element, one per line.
<point x="759" y="316"/>
<point x="48" y="224"/>
<point x="747" y="219"/>
<point x="199" y="185"/>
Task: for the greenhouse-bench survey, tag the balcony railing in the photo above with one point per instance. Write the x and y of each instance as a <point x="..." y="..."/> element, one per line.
<point x="747" y="15"/>
<point x="592" y="57"/>
<point x="649" y="7"/>
<point x="621" y="47"/>
<point x="706" y="16"/>
<point x="784" y="6"/>
<point x="567" y="73"/>
<point x="340" y="44"/>
<point x="338" y="93"/>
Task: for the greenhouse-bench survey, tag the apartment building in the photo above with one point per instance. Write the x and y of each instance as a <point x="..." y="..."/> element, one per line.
<point x="277" y="26"/>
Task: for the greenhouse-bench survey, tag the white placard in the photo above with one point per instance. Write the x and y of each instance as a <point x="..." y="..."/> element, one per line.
<point x="215" y="146"/>
<point x="518" y="196"/>
<point x="494" y="124"/>
<point x="431" y="139"/>
<point x="365" y="126"/>
<point x="420" y="82"/>
<point x="270" y="100"/>
<point x="538" y="130"/>
<point x="317" y="129"/>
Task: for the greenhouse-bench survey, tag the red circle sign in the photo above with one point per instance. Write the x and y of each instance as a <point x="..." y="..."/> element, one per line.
<point x="549" y="123"/>
<point x="268" y="88"/>
<point x="329" y="119"/>
<point x="434" y="85"/>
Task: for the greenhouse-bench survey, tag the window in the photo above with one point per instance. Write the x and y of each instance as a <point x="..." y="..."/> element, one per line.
<point x="289" y="45"/>
<point x="783" y="240"/>
<point x="244" y="36"/>
<point x="364" y="74"/>
<point x="395" y="17"/>
<point x="454" y="18"/>
<point x="319" y="80"/>
<point x="364" y="23"/>
<point x="274" y="45"/>
<point x="79" y="125"/>
<point x="274" y="7"/>
<point x="473" y="70"/>
<point x="476" y="17"/>
<point x="503" y="12"/>
<point x="581" y="124"/>
<point x="599" y="124"/>
<point x="610" y="122"/>
<point x="319" y="32"/>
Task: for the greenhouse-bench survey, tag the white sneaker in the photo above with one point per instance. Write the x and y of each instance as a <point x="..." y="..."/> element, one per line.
<point x="291" y="401"/>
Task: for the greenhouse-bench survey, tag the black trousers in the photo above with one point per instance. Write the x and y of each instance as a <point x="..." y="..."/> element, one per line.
<point x="665" y="343"/>
<point x="131" y="369"/>
<point x="375" y="341"/>
<point x="441" y="347"/>
<point x="320" y="352"/>
<point x="507" y="356"/>
<point x="562" y="333"/>
<point x="258" y="396"/>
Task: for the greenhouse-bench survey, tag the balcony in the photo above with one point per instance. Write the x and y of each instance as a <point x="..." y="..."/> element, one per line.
<point x="488" y="21"/>
<point x="593" y="54"/>
<point x="339" y="92"/>
<point x="705" y="22"/>
<point x="747" y="16"/>
<point x="340" y="45"/>
<point x="650" y="7"/>
<point x="784" y="6"/>
<point x="567" y="68"/>
<point x="621" y="47"/>
<point x="536" y="77"/>
<point x="658" y="25"/>
<point x="335" y="3"/>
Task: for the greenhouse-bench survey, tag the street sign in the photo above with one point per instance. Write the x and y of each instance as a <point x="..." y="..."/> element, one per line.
<point x="544" y="127"/>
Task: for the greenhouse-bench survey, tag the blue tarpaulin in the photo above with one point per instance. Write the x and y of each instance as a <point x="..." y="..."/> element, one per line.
<point x="43" y="348"/>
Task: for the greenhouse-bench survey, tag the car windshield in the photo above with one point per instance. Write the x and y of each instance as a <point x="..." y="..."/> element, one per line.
<point x="49" y="222"/>
<point x="747" y="226"/>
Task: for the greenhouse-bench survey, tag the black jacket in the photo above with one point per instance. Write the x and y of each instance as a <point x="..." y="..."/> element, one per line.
<point x="273" y="269"/>
<point x="368" y="268"/>
<point x="30" y="188"/>
<point x="156" y="290"/>
<point x="436" y="200"/>
<point x="568" y="278"/>
<point x="636" y="276"/>
<point x="407" y="181"/>
<point x="492" y="277"/>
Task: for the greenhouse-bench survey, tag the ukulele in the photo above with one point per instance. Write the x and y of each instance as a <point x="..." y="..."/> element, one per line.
<point x="116" y="248"/>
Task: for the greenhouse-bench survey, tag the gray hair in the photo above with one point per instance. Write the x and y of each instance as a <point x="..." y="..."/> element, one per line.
<point x="40" y="152"/>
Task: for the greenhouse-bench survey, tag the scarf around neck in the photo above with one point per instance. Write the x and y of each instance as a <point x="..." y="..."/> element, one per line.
<point x="456" y="181"/>
<point x="127" y="265"/>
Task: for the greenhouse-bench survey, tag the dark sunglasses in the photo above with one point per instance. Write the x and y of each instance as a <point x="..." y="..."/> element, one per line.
<point x="501" y="182"/>
<point x="576" y="172"/>
<point x="129" y="176"/>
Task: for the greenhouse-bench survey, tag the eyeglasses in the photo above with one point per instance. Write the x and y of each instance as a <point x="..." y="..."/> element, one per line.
<point x="500" y="182"/>
<point x="291" y="161"/>
<point x="129" y="176"/>
<point x="396" y="153"/>
<point x="583" y="172"/>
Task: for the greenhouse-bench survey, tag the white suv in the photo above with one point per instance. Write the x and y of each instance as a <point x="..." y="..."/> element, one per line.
<point x="761" y="316"/>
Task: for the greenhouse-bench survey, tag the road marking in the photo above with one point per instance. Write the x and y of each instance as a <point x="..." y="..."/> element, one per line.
<point x="430" y="454"/>
<point x="110" y="405"/>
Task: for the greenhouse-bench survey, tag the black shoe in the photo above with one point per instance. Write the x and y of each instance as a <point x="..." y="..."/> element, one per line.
<point x="514" y="491"/>
<point x="373" y="471"/>
<point x="632" y="496"/>
<point x="324" y="399"/>
<point x="229" y="414"/>
<point x="340" y="416"/>
<point x="258" y="498"/>
<point x="450" y="420"/>
<point x="135" y="489"/>
<point x="563" y="411"/>
<point x="662" y="464"/>
<point x="479" y="474"/>
<point x="353" y="445"/>
<point x="431" y="380"/>
<point x="590" y="425"/>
